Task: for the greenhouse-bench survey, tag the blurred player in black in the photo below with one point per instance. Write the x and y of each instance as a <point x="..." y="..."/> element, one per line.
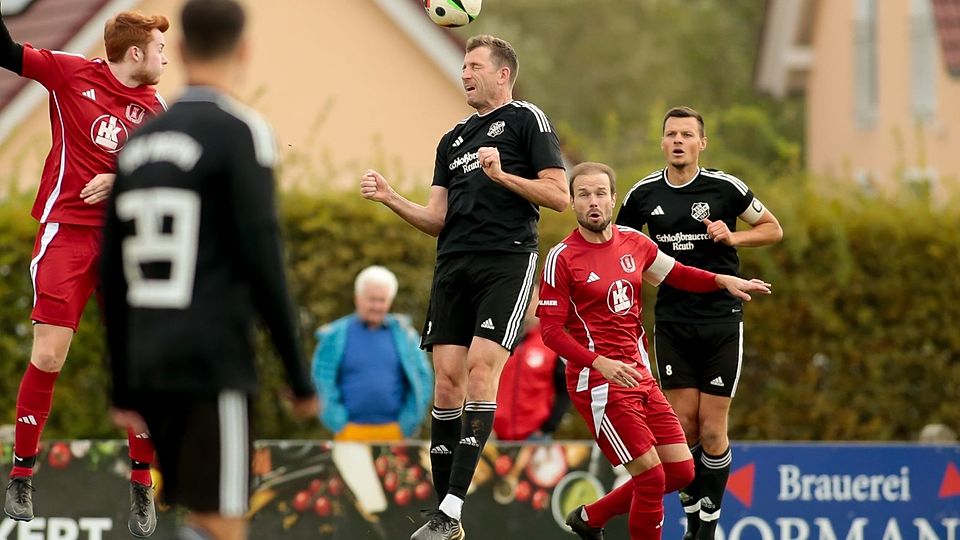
<point x="191" y="253"/>
<point x="692" y="215"/>
<point x="493" y="172"/>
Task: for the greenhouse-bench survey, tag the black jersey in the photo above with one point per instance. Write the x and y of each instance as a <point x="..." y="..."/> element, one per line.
<point x="674" y="216"/>
<point x="192" y="251"/>
<point x="481" y="214"/>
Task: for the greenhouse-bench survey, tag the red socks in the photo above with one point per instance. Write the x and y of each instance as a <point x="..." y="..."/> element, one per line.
<point x="679" y="475"/>
<point x="141" y="456"/>
<point x="33" y="407"/>
<point x="617" y="502"/>
<point x="646" y="512"/>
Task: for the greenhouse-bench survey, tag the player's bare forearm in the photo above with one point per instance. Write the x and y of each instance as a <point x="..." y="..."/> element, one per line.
<point x="548" y="190"/>
<point x="763" y="233"/>
<point x="428" y="219"/>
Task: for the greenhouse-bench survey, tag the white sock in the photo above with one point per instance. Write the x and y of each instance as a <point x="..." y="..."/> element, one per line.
<point x="451" y="506"/>
<point x="583" y="515"/>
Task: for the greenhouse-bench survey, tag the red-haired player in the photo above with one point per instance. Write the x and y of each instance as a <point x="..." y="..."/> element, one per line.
<point x="94" y="106"/>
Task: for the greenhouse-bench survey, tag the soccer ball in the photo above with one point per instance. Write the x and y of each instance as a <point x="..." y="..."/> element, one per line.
<point x="452" y="13"/>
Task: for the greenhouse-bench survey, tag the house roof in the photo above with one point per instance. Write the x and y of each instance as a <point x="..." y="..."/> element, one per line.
<point x="443" y="47"/>
<point x="71" y="25"/>
<point x="785" y="56"/>
<point x="50" y="24"/>
<point x="947" y="15"/>
<point x="77" y="26"/>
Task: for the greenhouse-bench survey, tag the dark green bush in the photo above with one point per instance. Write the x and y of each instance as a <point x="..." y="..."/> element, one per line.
<point x="858" y="342"/>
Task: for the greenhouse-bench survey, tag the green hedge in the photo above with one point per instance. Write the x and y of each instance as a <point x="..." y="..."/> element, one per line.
<point x="858" y="342"/>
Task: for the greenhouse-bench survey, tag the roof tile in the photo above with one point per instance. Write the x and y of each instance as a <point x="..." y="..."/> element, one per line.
<point x="947" y="14"/>
<point x="49" y="24"/>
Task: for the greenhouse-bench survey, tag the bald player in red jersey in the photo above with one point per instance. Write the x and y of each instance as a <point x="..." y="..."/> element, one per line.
<point x="94" y="106"/>
<point x="590" y="314"/>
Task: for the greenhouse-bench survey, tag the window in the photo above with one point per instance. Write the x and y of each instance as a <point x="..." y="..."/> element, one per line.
<point x="866" y="87"/>
<point x="923" y="56"/>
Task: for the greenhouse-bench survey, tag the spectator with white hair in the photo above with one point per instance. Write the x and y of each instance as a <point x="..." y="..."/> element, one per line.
<point x="937" y="434"/>
<point x="375" y="383"/>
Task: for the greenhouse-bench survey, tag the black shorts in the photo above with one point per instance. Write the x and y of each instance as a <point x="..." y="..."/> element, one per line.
<point x="703" y="356"/>
<point x="203" y="450"/>
<point x="482" y="294"/>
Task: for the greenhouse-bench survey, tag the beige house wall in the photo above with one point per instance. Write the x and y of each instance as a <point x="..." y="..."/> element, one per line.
<point x="897" y="143"/>
<point x="344" y="87"/>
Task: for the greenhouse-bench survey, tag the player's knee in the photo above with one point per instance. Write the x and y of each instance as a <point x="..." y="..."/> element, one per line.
<point x="482" y="383"/>
<point x="690" y="425"/>
<point x="46" y="360"/>
<point x="649" y="484"/>
<point x="449" y="390"/>
<point x="713" y="438"/>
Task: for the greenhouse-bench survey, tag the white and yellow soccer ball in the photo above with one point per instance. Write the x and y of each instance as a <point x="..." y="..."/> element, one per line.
<point x="452" y="13"/>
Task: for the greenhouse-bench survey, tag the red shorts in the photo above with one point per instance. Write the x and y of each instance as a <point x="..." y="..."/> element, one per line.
<point x="65" y="272"/>
<point x="628" y="423"/>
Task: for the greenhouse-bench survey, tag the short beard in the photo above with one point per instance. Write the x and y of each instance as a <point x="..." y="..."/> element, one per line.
<point x="144" y="79"/>
<point x="595" y="228"/>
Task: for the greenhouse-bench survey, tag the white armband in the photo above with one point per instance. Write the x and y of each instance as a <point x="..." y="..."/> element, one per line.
<point x="754" y="212"/>
<point x="658" y="271"/>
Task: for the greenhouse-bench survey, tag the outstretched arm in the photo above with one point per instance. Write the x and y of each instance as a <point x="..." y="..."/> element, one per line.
<point x="689" y="278"/>
<point x="666" y="269"/>
<point x="429" y="218"/>
<point x="11" y="52"/>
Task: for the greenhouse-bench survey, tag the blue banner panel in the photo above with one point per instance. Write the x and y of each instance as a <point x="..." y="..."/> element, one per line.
<point x="837" y="492"/>
<point x="318" y="490"/>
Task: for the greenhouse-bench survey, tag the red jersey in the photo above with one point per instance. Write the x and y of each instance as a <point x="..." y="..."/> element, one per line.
<point x="595" y="290"/>
<point x="91" y="116"/>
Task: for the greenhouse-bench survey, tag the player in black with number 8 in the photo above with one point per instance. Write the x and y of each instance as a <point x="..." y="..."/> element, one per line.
<point x="692" y="215"/>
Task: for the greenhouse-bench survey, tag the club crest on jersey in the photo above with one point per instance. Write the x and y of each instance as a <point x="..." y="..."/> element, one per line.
<point x="700" y="211"/>
<point x="109" y="133"/>
<point x="620" y="297"/>
<point x="628" y="264"/>
<point x="496" y="128"/>
<point x="135" y="113"/>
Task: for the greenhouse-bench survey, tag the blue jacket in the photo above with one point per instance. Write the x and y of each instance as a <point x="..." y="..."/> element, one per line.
<point x="331" y="341"/>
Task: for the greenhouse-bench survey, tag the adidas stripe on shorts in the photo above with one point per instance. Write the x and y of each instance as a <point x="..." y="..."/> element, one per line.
<point x="707" y="356"/>
<point x="482" y="294"/>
